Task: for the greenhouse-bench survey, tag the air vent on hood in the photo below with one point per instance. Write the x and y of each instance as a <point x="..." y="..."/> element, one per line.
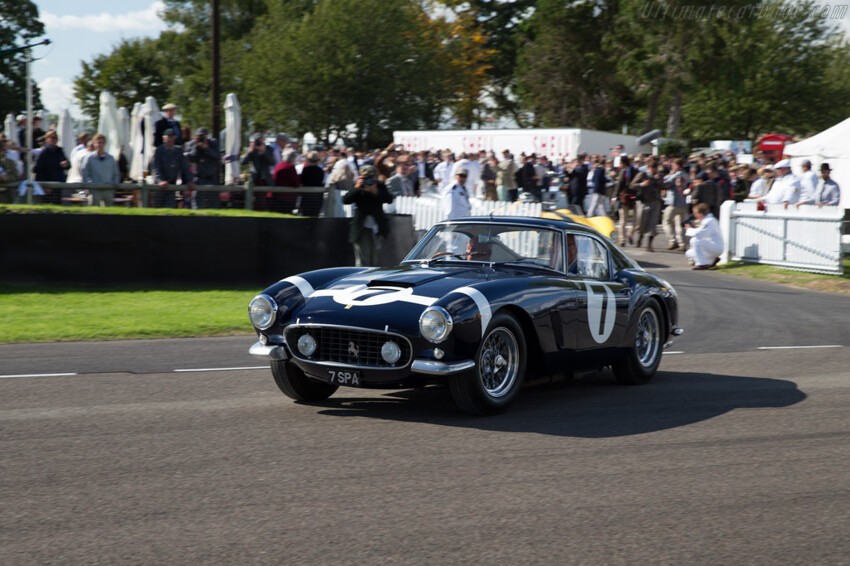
<point x="390" y="283"/>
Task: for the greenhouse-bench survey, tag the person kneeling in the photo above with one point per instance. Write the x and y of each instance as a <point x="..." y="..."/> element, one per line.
<point x="706" y="243"/>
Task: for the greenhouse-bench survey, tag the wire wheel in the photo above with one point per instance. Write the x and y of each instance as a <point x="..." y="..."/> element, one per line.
<point x="648" y="338"/>
<point x="498" y="366"/>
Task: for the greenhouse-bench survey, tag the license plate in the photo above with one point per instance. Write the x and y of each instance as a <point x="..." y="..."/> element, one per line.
<point x="344" y="377"/>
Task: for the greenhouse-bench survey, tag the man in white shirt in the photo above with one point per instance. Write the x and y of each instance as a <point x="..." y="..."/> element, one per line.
<point x="706" y="242"/>
<point x="456" y="197"/>
<point x="78" y="154"/>
<point x="808" y="184"/>
<point x="443" y="171"/>
<point x="787" y="183"/>
<point x="761" y="186"/>
<point x="468" y="163"/>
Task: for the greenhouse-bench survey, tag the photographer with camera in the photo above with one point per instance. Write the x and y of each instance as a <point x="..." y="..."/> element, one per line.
<point x="203" y="153"/>
<point x="648" y="186"/>
<point x="369" y="226"/>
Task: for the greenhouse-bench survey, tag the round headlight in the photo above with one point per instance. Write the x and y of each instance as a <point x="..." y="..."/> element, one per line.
<point x="435" y="324"/>
<point x="307" y="345"/>
<point x="390" y="352"/>
<point x="262" y="311"/>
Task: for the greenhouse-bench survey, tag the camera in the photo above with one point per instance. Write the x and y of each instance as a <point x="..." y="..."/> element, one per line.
<point x="369" y="181"/>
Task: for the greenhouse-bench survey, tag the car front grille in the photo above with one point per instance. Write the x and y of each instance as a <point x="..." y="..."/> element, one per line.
<point x="348" y="346"/>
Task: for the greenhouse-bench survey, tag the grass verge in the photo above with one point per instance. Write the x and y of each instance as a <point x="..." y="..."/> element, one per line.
<point x="53" y="314"/>
<point x="815" y="281"/>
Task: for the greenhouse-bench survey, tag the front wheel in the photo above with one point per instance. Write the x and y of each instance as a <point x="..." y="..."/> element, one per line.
<point x="295" y="384"/>
<point x="641" y="363"/>
<point x="499" y="370"/>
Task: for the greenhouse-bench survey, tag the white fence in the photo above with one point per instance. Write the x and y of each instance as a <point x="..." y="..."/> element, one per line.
<point x="806" y="238"/>
<point x="427" y="210"/>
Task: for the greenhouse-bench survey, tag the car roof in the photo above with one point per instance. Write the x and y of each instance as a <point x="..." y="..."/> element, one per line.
<point x="531" y="221"/>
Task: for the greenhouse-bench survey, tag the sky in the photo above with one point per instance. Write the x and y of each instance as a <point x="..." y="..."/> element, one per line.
<point x="82" y="29"/>
<point x="79" y="30"/>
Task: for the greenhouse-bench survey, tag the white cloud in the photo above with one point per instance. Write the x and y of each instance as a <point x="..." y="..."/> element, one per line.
<point x="57" y="95"/>
<point x="146" y="20"/>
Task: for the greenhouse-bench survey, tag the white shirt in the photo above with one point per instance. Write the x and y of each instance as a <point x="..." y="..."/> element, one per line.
<point x="78" y="155"/>
<point x="808" y="186"/>
<point x="473" y="170"/>
<point x="456" y="202"/>
<point x="757" y="188"/>
<point x="827" y="193"/>
<point x="443" y="174"/>
<point x="791" y="188"/>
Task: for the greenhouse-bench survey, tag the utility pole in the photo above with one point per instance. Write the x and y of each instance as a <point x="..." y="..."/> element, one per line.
<point x="216" y="70"/>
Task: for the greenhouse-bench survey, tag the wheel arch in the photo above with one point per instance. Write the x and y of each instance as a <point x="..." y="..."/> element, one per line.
<point x="534" y="353"/>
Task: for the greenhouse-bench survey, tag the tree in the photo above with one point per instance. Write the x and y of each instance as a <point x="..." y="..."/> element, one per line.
<point x="564" y="74"/>
<point x="19" y="25"/>
<point x="337" y="72"/>
<point x="135" y="68"/>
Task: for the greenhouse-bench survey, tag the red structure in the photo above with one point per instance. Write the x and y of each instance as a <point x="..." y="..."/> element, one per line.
<point x="772" y="146"/>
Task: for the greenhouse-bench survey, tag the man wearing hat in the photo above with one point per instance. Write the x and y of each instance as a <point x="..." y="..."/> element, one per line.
<point x="167" y="122"/>
<point x="787" y="183"/>
<point x="169" y="165"/>
<point x="456" y="198"/>
<point x="827" y="192"/>
<point x="369" y="225"/>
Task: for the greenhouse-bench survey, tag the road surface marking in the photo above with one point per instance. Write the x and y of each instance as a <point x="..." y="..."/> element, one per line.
<point x="799" y="347"/>
<point x="220" y="369"/>
<point x="36" y="375"/>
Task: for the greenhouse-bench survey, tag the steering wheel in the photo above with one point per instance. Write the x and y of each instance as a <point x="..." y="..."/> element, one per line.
<point x="445" y="253"/>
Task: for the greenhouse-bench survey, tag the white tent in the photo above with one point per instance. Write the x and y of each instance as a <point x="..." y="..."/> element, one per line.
<point x="233" y="138"/>
<point x="830" y="146"/>
<point x="124" y="131"/>
<point x="137" y="144"/>
<point x="10" y="127"/>
<point x="108" y="123"/>
<point x="150" y="115"/>
<point x="67" y="141"/>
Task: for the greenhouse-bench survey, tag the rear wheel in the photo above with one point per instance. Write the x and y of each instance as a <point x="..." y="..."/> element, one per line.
<point x="641" y="363"/>
<point x="499" y="370"/>
<point x="296" y="385"/>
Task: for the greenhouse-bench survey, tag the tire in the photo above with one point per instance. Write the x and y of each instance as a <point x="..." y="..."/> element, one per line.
<point x="641" y="363"/>
<point x="296" y="385"/>
<point x="500" y="364"/>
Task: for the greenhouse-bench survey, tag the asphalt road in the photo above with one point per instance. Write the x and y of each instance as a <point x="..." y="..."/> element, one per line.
<point x="732" y="455"/>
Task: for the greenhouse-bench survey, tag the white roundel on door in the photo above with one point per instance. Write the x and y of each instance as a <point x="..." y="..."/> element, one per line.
<point x="600" y="302"/>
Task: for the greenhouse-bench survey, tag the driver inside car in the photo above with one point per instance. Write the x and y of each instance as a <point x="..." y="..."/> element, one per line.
<point x="478" y="250"/>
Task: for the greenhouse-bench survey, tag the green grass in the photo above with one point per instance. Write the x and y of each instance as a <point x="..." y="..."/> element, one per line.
<point x="127" y="211"/>
<point x="61" y="314"/>
<point x="817" y="281"/>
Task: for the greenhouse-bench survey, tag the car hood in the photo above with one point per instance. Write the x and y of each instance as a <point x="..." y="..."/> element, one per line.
<point x="393" y="297"/>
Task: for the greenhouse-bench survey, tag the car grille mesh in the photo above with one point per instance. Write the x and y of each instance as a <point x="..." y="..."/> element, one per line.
<point x="348" y="346"/>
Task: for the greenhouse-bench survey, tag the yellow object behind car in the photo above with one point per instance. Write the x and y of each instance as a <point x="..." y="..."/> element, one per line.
<point x="602" y="224"/>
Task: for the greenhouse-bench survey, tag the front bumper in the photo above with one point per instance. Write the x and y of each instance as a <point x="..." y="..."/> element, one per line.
<point x="436" y="367"/>
<point x="272" y="351"/>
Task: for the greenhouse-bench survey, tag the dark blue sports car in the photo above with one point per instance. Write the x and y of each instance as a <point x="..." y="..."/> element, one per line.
<point x="481" y="304"/>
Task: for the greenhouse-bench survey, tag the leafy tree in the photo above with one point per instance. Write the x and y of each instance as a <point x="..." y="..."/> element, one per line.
<point x="565" y="75"/>
<point x="135" y="68"/>
<point x="19" y="25"/>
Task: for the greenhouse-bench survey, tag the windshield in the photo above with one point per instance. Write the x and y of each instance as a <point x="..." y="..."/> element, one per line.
<point x="491" y="243"/>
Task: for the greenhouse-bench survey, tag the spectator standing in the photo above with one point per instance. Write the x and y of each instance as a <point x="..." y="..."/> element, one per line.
<point x="488" y="178"/>
<point x="443" y="171"/>
<point x="648" y="186"/>
<point x="626" y="196"/>
<point x="742" y="182"/>
<point x="341" y="177"/>
<point x="8" y="174"/>
<point x="456" y="197"/>
<point x="169" y="166"/>
<point x="705" y="192"/>
<point x="598" y="189"/>
<point x="400" y="185"/>
<point x="828" y="193"/>
<point x="76" y="156"/>
<point x="167" y="122"/>
<point x="312" y="175"/>
<point x="203" y="153"/>
<point x="261" y="160"/>
<point x="51" y="166"/>
<point x="506" y="178"/>
<point x="369" y="225"/>
<point x="100" y="167"/>
<point x="808" y="184"/>
<point x="762" y="185"/>
<point x="37" y="133"/>
<point x="285" y="175"/>
<point x="788" y="183"/>
<point x="468" y="163"/>
<point x="528" y="175"/>
<point x="706" y="241"/>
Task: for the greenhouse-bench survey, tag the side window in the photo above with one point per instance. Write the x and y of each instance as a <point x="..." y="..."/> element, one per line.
<point x="592" y="259"/>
